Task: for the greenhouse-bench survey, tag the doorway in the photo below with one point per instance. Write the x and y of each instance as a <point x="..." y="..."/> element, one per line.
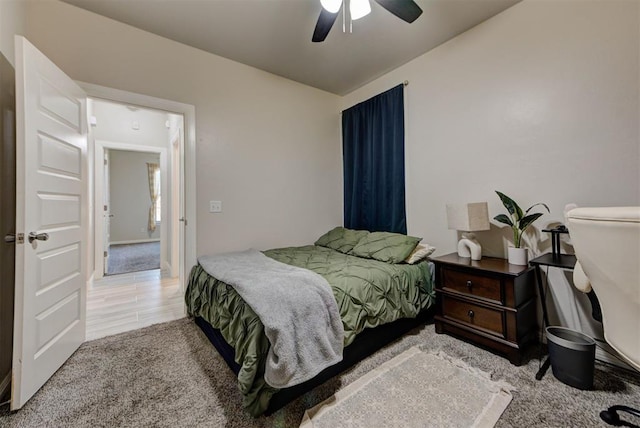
<point x="56" y="210"/>
<point x="138" y="168"/>
<point x="184" y="154"/>
<point x="131" y="220"/>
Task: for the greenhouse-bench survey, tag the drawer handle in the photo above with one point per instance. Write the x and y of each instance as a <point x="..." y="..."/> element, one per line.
<point x="469" y="285"/>
<point x="471" y="314"/>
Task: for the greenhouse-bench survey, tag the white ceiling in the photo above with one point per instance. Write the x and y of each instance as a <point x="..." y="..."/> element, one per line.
<point x="275" y="35"/>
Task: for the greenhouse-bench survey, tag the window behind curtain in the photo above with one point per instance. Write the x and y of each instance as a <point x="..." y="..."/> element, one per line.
<point x="373" y="161"/>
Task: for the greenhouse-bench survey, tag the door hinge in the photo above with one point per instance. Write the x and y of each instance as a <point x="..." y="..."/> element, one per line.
<point x="105" y="254"/>
<point x="10" y="238"/>
<point x="105" y="208"/>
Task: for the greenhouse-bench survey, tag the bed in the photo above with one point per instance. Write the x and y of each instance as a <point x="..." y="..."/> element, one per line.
<point x="378" y="301"/>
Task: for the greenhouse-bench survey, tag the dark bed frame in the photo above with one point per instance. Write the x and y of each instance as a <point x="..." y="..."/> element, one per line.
<point x="365" y="344"/>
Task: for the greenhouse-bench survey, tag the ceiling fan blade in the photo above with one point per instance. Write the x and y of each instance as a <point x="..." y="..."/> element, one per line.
<point x="323" y="26"/>
<point x="407" y="10"/>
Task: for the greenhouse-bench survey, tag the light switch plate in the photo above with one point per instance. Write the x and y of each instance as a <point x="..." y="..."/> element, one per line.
<point x="215" y="206"/>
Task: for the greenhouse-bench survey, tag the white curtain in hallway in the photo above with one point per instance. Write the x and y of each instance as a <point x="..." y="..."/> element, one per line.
<point x="154" y="191"/>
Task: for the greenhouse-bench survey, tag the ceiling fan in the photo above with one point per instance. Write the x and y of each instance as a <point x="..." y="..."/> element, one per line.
<point x="407" y="10"/>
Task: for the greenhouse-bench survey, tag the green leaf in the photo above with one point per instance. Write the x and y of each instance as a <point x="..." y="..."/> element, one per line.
<point x="510" y="205"/>
<point x="526" y="221"/>
<point x="503" y="218"/>
<point x="535" y="205"/>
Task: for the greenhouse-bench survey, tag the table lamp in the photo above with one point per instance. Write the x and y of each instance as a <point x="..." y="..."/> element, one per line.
<point x="472" y="217"/>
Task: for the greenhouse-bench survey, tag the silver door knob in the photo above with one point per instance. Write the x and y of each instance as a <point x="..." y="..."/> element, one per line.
<point x="38" y="236"/>
<point x="9" y="238"/>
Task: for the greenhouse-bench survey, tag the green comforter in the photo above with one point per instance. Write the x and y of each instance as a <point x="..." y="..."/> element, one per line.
<point x="369" y="293"/>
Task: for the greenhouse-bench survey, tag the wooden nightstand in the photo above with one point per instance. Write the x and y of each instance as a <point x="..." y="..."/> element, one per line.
<point x="488" y="302"/>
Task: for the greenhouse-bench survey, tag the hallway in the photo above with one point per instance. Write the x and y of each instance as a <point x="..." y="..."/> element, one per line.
<point x="120" y="303"/>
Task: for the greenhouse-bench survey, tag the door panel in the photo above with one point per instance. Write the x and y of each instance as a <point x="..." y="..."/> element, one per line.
<point x="58" y="264"/>
<point x="58" y="210"/>
<point x="51" y="179"/>
<point x="59" y="105"/>
<point x="58" y="157"/>
<point x="56" y="320"/>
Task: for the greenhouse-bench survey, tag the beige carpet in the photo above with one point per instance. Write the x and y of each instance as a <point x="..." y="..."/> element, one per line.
<point x="415" y="389"/>
<point x="169" y="375"/>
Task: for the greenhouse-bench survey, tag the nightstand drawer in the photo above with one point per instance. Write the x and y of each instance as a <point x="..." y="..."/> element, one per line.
<point x="480" y="317"/>
<point x="472" y="285"/>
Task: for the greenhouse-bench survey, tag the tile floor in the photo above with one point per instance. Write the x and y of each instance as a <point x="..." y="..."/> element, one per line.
<point x="120" y="303"/>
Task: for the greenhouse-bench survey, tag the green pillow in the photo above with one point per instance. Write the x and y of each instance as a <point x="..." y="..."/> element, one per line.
<point x="385" y="246"/>
<point x="341" y="239"/>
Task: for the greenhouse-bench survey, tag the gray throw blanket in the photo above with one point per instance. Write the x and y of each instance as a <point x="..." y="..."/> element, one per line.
<point x="296" y="306"/>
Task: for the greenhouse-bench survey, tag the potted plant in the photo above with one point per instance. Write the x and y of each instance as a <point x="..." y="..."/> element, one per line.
<point x="519" y="221"/>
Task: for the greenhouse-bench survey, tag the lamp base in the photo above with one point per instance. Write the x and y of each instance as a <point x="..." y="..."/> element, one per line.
<point x="468" y="246"/>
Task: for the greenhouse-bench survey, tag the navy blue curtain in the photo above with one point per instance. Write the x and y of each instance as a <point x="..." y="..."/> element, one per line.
<point x="373" y="161"/>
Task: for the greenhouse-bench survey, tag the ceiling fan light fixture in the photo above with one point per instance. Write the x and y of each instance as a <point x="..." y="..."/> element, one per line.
<point x="359" y="8"/>
<point x="332" y="6"/>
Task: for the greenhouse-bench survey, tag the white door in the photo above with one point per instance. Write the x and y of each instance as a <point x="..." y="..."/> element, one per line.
<point x="51" y="207"/>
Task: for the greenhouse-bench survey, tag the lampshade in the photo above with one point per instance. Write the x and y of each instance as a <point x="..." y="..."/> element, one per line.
<point x="359" y="8"/>
<point x="470" y="217"/>
<point x="332" y="6"/>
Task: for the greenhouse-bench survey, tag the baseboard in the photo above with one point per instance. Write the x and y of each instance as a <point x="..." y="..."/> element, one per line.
<point x="5" y="384"/>
<point x="134" y="241"/>
<point x="166" y="269"/>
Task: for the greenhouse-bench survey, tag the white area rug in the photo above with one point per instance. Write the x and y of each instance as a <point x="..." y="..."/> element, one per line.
<point x="415" y="389"/>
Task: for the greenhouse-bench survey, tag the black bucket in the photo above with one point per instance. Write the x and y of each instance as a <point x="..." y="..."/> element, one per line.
<point x="572" y="356"/>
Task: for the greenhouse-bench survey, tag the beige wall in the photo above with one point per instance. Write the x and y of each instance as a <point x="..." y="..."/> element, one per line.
<point x="130" y="201"/>
<point x="115" y="123"/>
<point x="267" y="147"/>
<point x="541" y="102"/>
<point x="12" y="22"/>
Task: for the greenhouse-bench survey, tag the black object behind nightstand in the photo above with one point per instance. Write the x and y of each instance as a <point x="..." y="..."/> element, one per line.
<point x="562" y="261"/>
<point x="488" y="302"/>
<point x="555" y="239"/>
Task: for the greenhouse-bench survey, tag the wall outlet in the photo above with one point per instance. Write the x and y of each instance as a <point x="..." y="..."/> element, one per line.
<point x="215" y="206"/>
